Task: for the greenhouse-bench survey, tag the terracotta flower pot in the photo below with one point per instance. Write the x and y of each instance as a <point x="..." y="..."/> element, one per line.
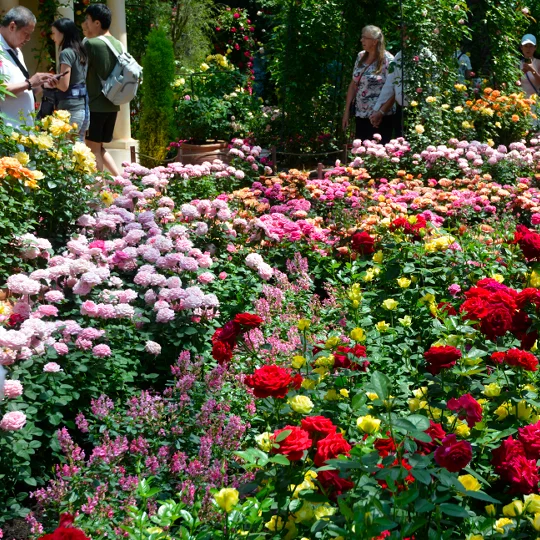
<point x="195" y="154"/>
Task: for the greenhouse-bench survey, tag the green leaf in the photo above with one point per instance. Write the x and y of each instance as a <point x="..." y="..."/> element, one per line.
<point x="454" y="510"/>
<point x="379" y="383"/>
<point x="283" y="435"/>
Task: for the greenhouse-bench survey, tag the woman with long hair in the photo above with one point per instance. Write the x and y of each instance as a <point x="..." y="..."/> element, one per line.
<point x="369" y="75"/>
<point x="71" y="92"/>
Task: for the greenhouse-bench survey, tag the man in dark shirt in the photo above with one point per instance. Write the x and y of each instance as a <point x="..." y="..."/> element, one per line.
<point x="101" y="62"/>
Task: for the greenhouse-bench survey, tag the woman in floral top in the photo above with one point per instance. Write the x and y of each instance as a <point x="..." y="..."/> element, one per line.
<point x="369" y="75"/>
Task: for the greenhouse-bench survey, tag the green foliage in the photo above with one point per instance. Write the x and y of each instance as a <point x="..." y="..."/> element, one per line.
<point x="157" y="102"/>
<point x="213" y="103"/>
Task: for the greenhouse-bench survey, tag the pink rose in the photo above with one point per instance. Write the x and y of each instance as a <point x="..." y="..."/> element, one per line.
<point x="13" y="421"/>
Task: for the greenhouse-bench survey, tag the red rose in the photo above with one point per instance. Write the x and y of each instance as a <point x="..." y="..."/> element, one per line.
<point x="248" y="320"/>
<point x="496" y="322"/>
<point x="522" y="359"/>
<point x="363" y="243"/>
<point x="528" y="241"/>
<point x="467" y="408"/>
<point x="440" y="358"/>
<point x="318" y="427"/>
<point x="474" y="308"/>
<point x="294" y="444"/>
<point x="528" y="296"/>
<point x="229" y="333"/>
<point x="333" y="484"/>
<point x="529" y="436"/>
<point x="385" y="447"/>
<point x="272" y="380"/>
<point x="492" y="285"/>
<point x="498" y="357"/>
<point x="502" y="456"/>
<point x="65" y="533"/>
<point x="453" y="455"/>
<point x="331" y="447"/>
<point x="437" y="434"/>
<point x="447" y="308"/>
<point x="221" y="352"/>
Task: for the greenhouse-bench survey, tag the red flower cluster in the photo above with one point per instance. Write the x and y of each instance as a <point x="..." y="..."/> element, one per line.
<point x="528" y="241"/>
<point x="467" y="408"/>
<point x="500" y="309"/>
<point x="439" y="358"/>
<point x="363" y="243"/>
<point x="225" y="338"/>
<point x="401" y="483"/>
<point x="65" y="531"/>
<point x="515" y="460"/>
<point x="413" y="229"/>
<point x="319" y="432"/>
<point x="341" y="359"/>
<point x="516" y="358"/>
<point x="453" y="455"/>
<point x="437" y="434"/>
<point x="273" y="381"/>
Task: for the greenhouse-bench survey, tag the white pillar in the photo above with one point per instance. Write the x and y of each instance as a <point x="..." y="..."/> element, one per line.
<point x="120" y="146"/>
<point x="65" y="10"/>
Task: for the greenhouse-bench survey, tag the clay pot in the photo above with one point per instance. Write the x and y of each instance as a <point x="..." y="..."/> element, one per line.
<point x="195" y="154"/>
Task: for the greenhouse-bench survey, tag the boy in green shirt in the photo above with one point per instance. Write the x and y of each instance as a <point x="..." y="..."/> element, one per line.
<point x="101" y="62"/>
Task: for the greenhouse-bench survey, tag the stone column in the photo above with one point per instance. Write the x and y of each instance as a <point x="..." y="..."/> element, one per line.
<point x="65" y="10"/>
<point x="119" y="147"/>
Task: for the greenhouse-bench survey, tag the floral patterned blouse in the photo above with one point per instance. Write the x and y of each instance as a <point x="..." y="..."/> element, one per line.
<point x="370" y="85"/>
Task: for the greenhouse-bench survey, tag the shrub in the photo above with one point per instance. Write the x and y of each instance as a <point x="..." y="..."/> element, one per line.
<point x="157" y="101"/>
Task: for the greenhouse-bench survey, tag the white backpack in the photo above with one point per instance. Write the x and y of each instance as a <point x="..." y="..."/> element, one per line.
<point x="121" y="85"/>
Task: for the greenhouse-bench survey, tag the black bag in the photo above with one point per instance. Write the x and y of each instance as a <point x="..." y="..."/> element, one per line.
<point x="48" y="103"/>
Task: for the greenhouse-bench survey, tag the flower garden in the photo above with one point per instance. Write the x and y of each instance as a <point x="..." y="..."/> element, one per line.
<point x="226" y="350"/>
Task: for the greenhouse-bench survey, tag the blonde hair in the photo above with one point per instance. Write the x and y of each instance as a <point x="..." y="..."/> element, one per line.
<point x="376" y="33"/>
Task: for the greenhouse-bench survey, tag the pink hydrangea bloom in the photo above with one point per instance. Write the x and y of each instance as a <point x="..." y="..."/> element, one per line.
<point x="101" y="350"/>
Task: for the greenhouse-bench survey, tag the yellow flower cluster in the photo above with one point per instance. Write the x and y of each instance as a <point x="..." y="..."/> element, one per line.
<point x="440" y="243"/>
<point x="58" y="123"/>
<point x="220" y="60"/>
<point x="11" y="168"/>
<point x="83" y="159"/>
<point x="355" y="295"/>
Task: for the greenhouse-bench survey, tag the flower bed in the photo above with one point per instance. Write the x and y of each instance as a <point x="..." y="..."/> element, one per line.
<point x="346" y="357"/>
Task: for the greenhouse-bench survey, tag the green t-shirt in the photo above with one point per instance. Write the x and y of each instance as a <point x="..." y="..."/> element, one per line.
<point x="101" y="62"/>
<point x="78" y="75"/>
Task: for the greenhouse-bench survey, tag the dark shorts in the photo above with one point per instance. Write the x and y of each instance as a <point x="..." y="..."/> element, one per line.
<point x="101" y="126"/>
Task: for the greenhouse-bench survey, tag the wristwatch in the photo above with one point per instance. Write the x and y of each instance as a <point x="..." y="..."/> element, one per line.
<point x="29" y="84"/>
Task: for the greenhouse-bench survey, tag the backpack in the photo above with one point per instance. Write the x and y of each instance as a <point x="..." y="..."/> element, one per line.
<point x="121" y="85"/>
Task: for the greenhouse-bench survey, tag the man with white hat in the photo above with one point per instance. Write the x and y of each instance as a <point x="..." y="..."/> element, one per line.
<point x="530" y="82"/>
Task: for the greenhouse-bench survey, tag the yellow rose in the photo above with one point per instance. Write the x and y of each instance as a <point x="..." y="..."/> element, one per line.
<point x="22" y="157"/>
<point x="309" y="384"/>
<point x="534" y="279"/>
<point x="298" y="362"/>
<point x="431" y="99"/>
<point x="382" y="326"/>
<point x="306" y="484"/>
<point x="469" y="482"/>
<point x="390" y="304"/>
<point x="368" y="424"/>
<point x="275" y="524"/>
<point x="503" y="523"/>
<point x="325" y="361"/>
<point x="63" y="115"/>
<point x="535" y="522"/>
<point x="419" y="128"/>
<point x="227" y="498"/>
<point x="513" y="509"/>
<point x="501" y="412"/>
<point x="205" y="67"/>
<point x="372" y="396"/>
<point x="405" y="321"/>
<point x="404" y="282"/>
<point x="344" y="392"/>
<point x="357" y="334"/>
<point x="378" y="257"/>
<point x="331" y="395"/>
<point x="324" y="510"/>
<point x="492" y="390"/>
<point x="420" y="392"/>
<point x="416" y="404"/>
<point x="332" y="342"/>
<point x="458" y="110"/>
<point x="414" y="103"/>
<point x="306" y="512"/>
<point x="369" y="275"/>
<point x="532" y="503"/>
<point x="303" y="324"/>
<point x="491" y="510"/>
<point x="301" y="404"/>
<point x="264" y="442"/>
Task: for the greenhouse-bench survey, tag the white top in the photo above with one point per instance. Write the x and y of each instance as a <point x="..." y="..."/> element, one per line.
<point x="24" y="101"/>
<point x="393" y="84"/>
<point x="526" y="85"/>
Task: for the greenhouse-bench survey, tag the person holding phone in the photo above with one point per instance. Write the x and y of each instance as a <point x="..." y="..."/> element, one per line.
<point x="530" y="82"/>
<point x="70" y="83"/>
